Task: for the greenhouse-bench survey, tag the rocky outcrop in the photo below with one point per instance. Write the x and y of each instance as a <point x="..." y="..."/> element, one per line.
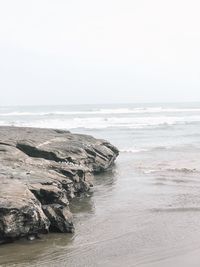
<point x="40" y="171"/>
<point x="21" y="213"/>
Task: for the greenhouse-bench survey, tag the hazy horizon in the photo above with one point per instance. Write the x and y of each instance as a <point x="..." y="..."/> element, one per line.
<point x="104" y="104"/>
<point x="61" y="53"/>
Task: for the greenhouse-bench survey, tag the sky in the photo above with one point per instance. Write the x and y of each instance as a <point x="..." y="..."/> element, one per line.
<point x="108" y="51"/>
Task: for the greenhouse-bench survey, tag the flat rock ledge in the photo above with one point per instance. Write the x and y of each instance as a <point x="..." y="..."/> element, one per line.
<point x="40" y="171"/>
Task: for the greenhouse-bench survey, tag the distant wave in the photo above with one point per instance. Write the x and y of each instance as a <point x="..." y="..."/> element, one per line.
<point x="103" y="111"/>
<point x="133" y="150"/>
<point x="23" y="114"/>
<point x="103" y="123"/>
<point x="183" y="170"/>
<point x="172" y="170"/>
<point x="160" y="148"/>
<point x="148" y="149"/>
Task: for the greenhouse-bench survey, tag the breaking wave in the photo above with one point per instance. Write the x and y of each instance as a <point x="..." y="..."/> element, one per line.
<point x="183" y="170"/>
<point x="102" y="111"/>
<point x="133" y="150"/>
<point x="127" y="122"/>
<point x="103" y="123"/>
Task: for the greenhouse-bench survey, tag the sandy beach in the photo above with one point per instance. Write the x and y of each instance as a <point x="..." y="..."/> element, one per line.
<point x="145" y="212"/>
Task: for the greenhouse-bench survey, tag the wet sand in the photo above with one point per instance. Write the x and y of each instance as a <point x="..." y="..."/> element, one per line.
<point x="136" y="216"/>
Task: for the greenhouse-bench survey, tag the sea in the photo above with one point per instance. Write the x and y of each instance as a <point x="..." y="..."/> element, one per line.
<point x="143" y="212"/>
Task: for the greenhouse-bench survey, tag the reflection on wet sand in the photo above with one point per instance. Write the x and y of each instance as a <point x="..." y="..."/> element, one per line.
<point x="23" y="252"/>
<point x="128" y="220"/>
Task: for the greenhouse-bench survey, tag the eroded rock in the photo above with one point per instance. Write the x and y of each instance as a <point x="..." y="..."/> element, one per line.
<point x="40" y="171"/>
<point x="21" y="213"/>
<point x="60" y="217"/>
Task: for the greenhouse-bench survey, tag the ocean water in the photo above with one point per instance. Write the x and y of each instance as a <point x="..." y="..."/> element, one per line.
<point x="146" y="211"/>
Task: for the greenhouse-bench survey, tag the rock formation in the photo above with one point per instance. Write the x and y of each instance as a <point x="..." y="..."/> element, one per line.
<point x="40" y="171"/>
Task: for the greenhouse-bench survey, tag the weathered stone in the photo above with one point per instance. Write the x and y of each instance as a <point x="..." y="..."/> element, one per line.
<point x="40" y="171"/>
<point x="21" y="213"/>
<point x="60" y="217"/>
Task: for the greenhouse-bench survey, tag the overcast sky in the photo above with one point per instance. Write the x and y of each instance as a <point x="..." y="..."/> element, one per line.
<point x="108" y="51"/>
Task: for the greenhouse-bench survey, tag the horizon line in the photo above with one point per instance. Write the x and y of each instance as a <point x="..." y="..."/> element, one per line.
<point x="93" y="104"/>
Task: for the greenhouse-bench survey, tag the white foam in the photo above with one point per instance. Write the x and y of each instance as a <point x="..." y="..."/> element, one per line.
<point x="149" y="171"/>
<point x="147" y="110"/>
<point x="111" y="122"/>
<point x="103" y="111"/>
<point x="133" y="150"/>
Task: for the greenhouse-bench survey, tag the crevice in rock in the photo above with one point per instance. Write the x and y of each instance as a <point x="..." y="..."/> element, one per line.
<point x="66" y="173"/>
<point x="112" y="148"/>
<point x="90" y="152"/>
<point x="61" y="219"/>
<point x="5" y="144"/>
<point x="100" y="154"/>
<point x="38" y="153"/>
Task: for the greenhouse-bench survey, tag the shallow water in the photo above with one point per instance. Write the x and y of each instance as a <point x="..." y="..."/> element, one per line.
<point x="145" y="212"/>
<point x="132" y="218"/>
